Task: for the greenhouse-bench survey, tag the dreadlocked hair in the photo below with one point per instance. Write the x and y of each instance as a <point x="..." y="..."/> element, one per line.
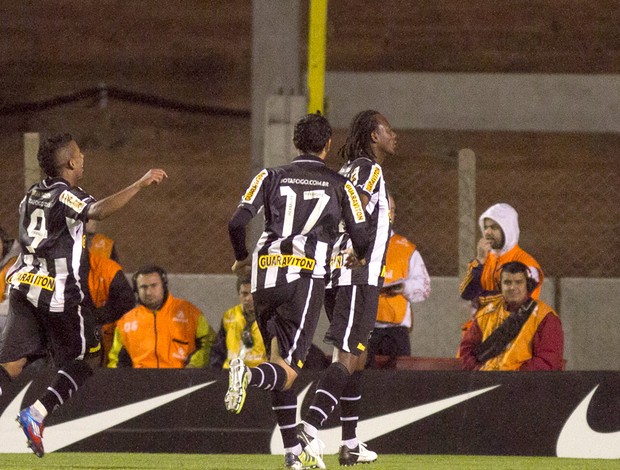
<point x="359" y="137"/>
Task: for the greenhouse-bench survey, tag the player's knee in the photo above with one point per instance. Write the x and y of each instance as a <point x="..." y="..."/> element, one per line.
<point x="291" y="376"/>
<point x="79" y="371"/>
<point x="13" y="369"/>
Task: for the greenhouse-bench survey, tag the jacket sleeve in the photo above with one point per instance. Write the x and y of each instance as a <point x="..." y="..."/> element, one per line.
<point x="471" y="286"/>
<point x="470" y="340"/>
<point x="205" y="336"/>
<point x="418" y="283"/>
<point x="218" y="351"/>
<point x="548" y="346"/>
<point x="115" y="350"/>
<point x="121" y="299"/>
<point x="237" y="231"/>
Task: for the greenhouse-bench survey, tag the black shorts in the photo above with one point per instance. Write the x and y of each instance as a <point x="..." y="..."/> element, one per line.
<point x="290" y="313"/>
<point x="352" y="314"/>
<point x="32" y="333"/>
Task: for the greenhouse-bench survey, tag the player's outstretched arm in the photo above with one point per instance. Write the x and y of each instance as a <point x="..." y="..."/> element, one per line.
<point x="109" y="205"/>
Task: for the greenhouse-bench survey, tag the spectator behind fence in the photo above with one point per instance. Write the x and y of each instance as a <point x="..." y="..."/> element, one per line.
<point x="406" y="282"/>
<point x="99" y="243"/>
<point x="109" y="296"/>
<point x="162" y="331"/>
<point x="499" y="225"/>
<point x="239" y="335"/>
<point x="511" y="330"/>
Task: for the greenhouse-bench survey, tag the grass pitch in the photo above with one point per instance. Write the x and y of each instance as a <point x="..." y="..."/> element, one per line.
<point x="88" y="461"/>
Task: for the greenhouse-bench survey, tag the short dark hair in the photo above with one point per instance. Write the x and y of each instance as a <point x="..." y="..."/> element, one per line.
<point x="358" y="143"/>
<point x="150" y="269"/>
<point x="515" y="267"/>
<point x="48" y="153"/>
<point x="312" y="132"/>
<point x="243" y="279"/>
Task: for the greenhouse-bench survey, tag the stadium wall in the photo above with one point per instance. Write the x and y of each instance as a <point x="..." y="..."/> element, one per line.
<point x="565" y="414"/>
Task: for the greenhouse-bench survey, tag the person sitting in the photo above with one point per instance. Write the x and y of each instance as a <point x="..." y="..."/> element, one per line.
<point x="513" y="331"/>
<point x="239" y="335"/>
<point x="406" y="281"/>
<point x="109" y="296"/>
<point x="499" y="225"/>
<point x="162" y="331"/>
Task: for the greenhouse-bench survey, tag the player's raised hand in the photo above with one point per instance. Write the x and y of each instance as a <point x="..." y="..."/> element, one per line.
<point x="154" y="175"/>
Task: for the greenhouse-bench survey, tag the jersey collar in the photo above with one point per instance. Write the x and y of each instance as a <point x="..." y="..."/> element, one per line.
<point x="308" y="158"/>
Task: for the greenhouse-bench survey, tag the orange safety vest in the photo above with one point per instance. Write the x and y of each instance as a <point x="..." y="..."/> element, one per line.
<point x="492" y="314"/>
<point x="162" y="339"/>
<point x="489" y="279"/>
<point x="393" y="309"/>
<point x="3" y="273"/>
<point x="100" y="276"/>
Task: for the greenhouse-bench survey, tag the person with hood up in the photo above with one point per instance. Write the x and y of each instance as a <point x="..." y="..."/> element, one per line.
<point x="499" y="225"/>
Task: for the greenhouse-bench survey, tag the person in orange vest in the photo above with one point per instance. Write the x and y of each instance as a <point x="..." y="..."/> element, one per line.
<point x="512" y="331"/>
<point x="99" y="243"/>
<point x="499" y="225"/>
<point x="406" y="282"/>
<point x="109" y="296"/>
<point x="163" y="331"/>
<point x="9" y="250"/>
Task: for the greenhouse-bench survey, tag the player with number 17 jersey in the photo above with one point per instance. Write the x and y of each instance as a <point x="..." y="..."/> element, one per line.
<point x="303" y="201"/>
<point x="51" y="225"/>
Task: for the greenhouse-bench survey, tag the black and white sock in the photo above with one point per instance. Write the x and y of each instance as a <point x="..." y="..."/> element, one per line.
<point x="328" y="392"/>
<point x="268" y="376"/>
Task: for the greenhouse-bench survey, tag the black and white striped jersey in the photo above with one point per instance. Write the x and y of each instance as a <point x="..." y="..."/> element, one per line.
<point x="303" y="204"/>
<point x="51" y="225"/>
<point x="367" y="176"/>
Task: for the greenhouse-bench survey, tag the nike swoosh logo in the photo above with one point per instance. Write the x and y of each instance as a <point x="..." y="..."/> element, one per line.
<point x="372" y="428"/>
<point x="578" y="440"/>
<point x="64" y="434"/>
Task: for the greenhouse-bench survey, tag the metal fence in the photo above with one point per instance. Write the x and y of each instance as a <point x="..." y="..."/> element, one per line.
<point x="569" y="205"/>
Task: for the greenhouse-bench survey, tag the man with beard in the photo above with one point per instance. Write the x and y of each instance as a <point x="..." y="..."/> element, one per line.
<point x="499" y="225"/>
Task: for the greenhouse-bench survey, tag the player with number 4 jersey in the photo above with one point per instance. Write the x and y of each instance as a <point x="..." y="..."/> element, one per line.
<point x="46" y="313"/>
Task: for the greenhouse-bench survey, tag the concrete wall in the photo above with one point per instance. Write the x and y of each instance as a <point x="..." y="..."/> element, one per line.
<point x="586" y="306"/>
<point x="489" y="101"/>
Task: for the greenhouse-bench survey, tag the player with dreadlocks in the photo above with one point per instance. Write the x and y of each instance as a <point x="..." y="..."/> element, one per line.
<point x="351" y="303"/>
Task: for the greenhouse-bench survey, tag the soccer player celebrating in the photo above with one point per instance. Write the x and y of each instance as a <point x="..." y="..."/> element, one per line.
<point x="303" y="203"/>
<point x="46" y="311"/>
<point x="351" y="303"/>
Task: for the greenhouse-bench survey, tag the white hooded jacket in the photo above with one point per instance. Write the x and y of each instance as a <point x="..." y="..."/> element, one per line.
<point x="508" y="219"/>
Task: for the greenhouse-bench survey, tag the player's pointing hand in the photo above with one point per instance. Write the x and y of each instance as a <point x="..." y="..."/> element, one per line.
<point x="154" y="175"/>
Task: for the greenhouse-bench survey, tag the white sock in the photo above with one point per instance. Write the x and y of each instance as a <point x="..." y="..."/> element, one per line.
<point x="39" y="412"/>
<point x="314" y="432"/>
<point x="295" y="450"/>
<point x="351" y="443"/>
